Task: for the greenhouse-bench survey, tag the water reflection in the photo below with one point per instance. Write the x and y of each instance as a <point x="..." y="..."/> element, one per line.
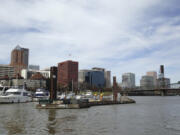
<point x="14" y="120"/>
<point x="51" y="126"/>
<point x="150" y="115"/>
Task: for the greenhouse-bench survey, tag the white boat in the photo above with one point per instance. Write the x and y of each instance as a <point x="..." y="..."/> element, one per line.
<point x="41" y="94"/>
<point x="70" y="95"/>
<point x="61" y="96"/>
<point x="3" y="89"/>
<point x="15" y="95"/>
<point x="88" y="94"/>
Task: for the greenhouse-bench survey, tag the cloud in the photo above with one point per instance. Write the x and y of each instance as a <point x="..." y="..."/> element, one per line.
<point x="122" y="36"/>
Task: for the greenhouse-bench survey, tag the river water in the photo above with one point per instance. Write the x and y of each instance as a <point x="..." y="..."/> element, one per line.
<point x="149" y="116"/>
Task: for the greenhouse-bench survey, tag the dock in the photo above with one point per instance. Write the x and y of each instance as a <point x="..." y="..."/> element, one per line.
<point x="80" y="105"/>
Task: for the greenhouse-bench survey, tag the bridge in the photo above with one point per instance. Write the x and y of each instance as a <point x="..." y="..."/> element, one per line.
<point x="151" y="92"/>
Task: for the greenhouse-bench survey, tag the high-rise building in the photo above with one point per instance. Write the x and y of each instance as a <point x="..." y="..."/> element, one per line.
<point x="91" y="78"/>
<point x="147" y="82"/>
<point x="107" y="75"/>
<point x="6" y="70"/>
<point x="128" y="80"/>
<point x="19" y="59"/>
<point x="68" y="73"/>
<point x="154" y="75"/>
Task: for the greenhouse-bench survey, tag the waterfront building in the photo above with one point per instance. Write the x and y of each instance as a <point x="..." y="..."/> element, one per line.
<point x="68" y="73"/>
<point x="36" y="81"/>
<point x="27" y="73"/>
<point x="34" y="67"/>
<point x="91" y="78"/>
<point x="162" y="81"/>
<point x="128" y="80"/>
<point x="154" y="75"/>
<point x="107" y="75"/>
<point x="97" y="79"/>
<point x="6" y="70"/>
<point x="19" y="59"/>
<point x="147" y="82"/>
<point x="83" y="76"/>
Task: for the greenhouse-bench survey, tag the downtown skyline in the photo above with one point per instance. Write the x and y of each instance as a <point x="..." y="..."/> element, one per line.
<point x="120" y="36"/>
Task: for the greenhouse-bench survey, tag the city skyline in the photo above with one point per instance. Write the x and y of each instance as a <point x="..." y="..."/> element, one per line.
<point x="98" y="33"/>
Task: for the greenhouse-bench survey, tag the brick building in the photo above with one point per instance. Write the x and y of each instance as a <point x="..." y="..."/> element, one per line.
<point x="68" y="73"/>
<point x="19" y="59"/>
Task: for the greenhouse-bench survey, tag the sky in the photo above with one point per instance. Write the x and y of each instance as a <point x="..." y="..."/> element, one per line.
<point x="119" y="35"/>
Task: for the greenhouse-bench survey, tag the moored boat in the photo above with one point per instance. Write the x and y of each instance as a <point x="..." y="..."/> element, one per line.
<point x="41" y="94"/>
<point x="15" y="95"/>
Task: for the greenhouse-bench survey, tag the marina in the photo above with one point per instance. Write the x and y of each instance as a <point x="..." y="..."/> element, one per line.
<point x="79" y="104"/>
<point x="14" y="95"/>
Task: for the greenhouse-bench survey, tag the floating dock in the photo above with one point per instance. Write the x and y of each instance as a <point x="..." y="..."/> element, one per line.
<point x="79" y="105"/>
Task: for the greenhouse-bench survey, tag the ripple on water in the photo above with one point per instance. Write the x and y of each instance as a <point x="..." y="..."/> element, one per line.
<point x="150" y="115"/>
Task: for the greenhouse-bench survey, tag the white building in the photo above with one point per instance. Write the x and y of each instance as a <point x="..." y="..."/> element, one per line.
<point x="26" y="74"/>
<point x="7" y="70"/>
<point x="128" y="80"/>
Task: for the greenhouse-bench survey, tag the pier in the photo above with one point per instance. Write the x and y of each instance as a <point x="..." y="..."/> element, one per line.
<point x="79" y="104"/>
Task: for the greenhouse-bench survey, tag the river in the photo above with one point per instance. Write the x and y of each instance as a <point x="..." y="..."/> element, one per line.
<point x="149" y="116"/>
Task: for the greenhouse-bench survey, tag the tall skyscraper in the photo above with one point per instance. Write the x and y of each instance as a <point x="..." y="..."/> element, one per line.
<point x="68" y="73"/>
<point x="19" y="59"/>
<point x="128" y="80"/>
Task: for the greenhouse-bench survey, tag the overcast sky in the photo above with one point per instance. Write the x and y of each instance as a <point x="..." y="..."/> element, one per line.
<point x="119" y="35"/>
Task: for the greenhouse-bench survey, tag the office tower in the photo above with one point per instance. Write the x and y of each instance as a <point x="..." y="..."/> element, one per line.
<point x="128" y="80"/>
<point x="147" y="82"/>
<point x="6" y="70"/>
<point x="91" y="78"/>
<point x="107" y="75"/>
<point x="19" y="59"/>
<point x="154" y="75"/>
<point x="68" y="74"/>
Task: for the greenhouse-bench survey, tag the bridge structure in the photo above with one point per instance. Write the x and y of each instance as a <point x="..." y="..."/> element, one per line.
<point x="151" y="92"/>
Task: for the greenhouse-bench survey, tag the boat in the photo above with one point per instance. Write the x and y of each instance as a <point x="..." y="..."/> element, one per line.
<point x="88" y="95"/>
<point x="15" y="95"/>
<point x="41" y="94"/>
<point x="70" y="95"/>
<point x="3" y="89"/>
<point x="61" y="96"/>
